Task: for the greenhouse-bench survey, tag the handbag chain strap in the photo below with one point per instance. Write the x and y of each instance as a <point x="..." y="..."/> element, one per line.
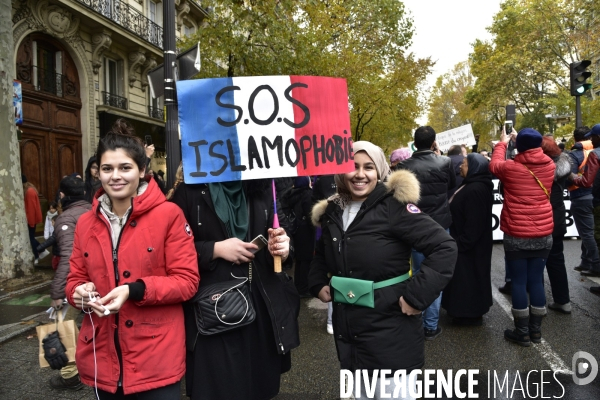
<point x="538" y="181"/>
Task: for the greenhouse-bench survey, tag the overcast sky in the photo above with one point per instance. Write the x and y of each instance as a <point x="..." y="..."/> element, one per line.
<point x="445" y="29"/>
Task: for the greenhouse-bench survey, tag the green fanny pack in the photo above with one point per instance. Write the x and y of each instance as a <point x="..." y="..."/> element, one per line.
<point x="358" y="291"/>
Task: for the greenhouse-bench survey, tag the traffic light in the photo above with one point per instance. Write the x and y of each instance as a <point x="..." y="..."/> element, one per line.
<point x="578" y="76"/>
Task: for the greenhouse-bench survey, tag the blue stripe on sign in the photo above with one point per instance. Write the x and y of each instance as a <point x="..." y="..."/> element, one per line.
<point x="200" y="131"/>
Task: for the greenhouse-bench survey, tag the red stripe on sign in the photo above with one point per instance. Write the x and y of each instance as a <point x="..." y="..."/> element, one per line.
<point x="322" y="125"/>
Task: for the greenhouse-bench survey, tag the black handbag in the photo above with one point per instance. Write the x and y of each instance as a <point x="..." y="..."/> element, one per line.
<point x="223" y="306"/>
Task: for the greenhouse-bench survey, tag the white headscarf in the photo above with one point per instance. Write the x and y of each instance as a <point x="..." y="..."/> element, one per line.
<point x="379" y="159"/>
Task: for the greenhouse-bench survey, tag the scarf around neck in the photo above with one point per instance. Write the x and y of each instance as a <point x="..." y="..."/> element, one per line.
<point x="229" y="201"/>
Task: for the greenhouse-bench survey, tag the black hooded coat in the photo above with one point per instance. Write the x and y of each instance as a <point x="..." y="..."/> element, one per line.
<point x="469" y="293"/>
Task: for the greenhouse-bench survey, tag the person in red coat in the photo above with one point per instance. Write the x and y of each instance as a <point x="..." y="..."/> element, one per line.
<point x="527" y="223"/>
<point x="33" y="212"/>
<point x="135" y="252"/>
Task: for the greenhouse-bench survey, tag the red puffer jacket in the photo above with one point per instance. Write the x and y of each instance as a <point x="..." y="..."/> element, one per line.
<point x="156" y="246"/>
<point x="526" y="211"/>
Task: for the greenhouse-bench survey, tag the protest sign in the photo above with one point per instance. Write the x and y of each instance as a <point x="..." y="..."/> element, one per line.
<point x="263" y="127"/>
<point x="461" y="135"/>
<point x="18" y="102"/>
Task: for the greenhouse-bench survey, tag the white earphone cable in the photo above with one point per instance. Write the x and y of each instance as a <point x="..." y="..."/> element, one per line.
<point x="93" y="343"/>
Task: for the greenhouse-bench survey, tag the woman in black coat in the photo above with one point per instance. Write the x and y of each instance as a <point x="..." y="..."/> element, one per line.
<point x="299" y="198"/>
<point x="555" y="264"/>
<point x="369" y="229"/>
<point x="468" y="296"/>
<point x="246" y="362"/>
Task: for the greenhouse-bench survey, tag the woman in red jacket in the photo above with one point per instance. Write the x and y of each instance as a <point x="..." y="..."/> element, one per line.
<point x="527" y="223"/>
<point x="134" y="251"/>
<point x="33" y="212"/>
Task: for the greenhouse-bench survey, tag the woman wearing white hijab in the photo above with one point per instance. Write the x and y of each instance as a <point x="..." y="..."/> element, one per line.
<point x="369" y="228"/>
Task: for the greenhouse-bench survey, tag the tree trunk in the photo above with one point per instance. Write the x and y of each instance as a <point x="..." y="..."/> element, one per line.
<point x="17" y="257"/>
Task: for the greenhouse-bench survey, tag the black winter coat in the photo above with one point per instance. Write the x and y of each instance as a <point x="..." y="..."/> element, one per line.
<point x="436" y="176"/>
<point x="226" y="366"/>
<point x="469" y="293"/>
<point x="377" y="246"/>
<point x="304" y="237"/>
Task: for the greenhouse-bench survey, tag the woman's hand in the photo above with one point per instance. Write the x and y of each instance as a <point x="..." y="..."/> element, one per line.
<point x="406" y="309"/>
<point x="234" y="250"/>
<point x="279" y="243"/>
<point x="112" y="302"/>
<point x="82" y="294"/>
<point x="324" y="294"/>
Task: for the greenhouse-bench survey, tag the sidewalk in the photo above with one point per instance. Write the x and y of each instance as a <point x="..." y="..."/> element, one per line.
<point x="314" y="375"/>
<point x="11" y="288"/>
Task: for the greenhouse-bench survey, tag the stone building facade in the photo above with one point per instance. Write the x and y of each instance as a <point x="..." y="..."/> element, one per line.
<point x="83" y="64"/>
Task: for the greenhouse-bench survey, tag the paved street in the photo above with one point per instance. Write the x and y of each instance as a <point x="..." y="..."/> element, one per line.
<point x="315" y="373"/>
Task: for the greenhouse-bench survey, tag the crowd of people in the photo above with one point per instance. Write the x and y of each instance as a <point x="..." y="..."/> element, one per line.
<point x="386" y="245"/>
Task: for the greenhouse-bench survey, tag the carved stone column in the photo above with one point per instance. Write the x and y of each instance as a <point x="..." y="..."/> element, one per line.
<point x="100" y="42"/>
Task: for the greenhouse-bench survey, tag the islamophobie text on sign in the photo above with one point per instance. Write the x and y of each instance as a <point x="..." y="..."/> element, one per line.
<point x="263" y="127"/>
<point x="461" y="135"/>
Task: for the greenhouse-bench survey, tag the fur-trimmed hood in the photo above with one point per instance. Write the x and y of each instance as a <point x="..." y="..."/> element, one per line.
<point x="403" y="183"/>
<point x="563" y="166"/>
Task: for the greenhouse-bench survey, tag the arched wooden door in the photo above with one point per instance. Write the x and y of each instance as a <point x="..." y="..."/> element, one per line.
<point x="51" y="141"/>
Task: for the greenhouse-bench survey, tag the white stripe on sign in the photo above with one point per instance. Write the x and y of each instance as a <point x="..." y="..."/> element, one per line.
<point x="549" y="355"/>
<point x="262" y="107"/>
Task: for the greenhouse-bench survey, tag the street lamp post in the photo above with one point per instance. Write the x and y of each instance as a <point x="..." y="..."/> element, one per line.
<point x="171" y="131"/>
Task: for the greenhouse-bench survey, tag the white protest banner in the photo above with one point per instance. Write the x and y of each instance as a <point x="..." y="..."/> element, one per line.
<point x="263" y="127"/>
<point x="461" y="135"/>
<point x="497" y="211"/>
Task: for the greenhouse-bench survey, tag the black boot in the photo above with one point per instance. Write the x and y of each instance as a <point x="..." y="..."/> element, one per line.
<point x="535" y="323"/>
<point x="519" y="335"/>
<point x="507" y="288"/>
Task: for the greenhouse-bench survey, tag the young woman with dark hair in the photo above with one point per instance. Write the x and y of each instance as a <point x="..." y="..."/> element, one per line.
<point x="133" y="264"/>
<point x="92" y="180"/>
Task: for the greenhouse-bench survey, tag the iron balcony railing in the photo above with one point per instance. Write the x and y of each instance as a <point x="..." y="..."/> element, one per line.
<point x="109" y="99"/>
<point x="48" y="81"/>
<point x="156" y="112"/>
<point x="129" y="18"/>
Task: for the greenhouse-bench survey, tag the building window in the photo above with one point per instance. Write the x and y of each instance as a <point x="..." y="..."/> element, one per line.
<point x="187" y="30"/>
<point x="156" y="107"/>
<point x="152" y="11"/>
<point x="47" y="68"/>
<point x="113" y="84"/>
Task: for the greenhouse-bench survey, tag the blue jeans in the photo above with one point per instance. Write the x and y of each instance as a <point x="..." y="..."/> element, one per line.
<point x="527" y="276"/>
<point x="583" y="214"/>
<point x="432" y="314"/>
<point x="507" y="277"/>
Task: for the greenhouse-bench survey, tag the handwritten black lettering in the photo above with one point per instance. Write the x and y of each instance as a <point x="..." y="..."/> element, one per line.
<point x="232" y="106"/>
<point x="278" y="144"/>
<point x="251" y="105"/>
<point x="319" y="149"/>
<point x="288" y="144"/>
<point x="196" y="146"/>
<point x="253" y="154"/>
<point x="234" y="167"/>
<point x="213" y="154"/>
<point x="305" y="109"/>
<point x="303" y="149"/>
